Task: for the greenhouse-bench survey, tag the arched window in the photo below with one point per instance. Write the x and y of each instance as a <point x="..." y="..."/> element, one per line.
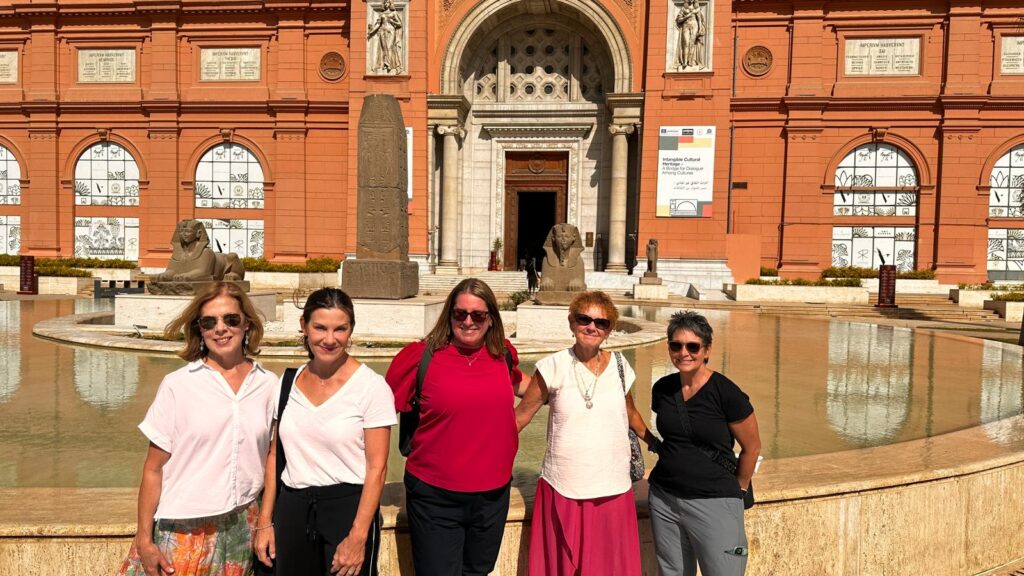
<point x="107" y="238"/>
<point x="10" y="178"/>
<point x="876" y="180"/>
<point x="243" y="237"/>
<point x="1006" y="195"/>
<point x="10" y="234"/>
<point x="872" y="246"/>
<point x="229" y="176"/>
<point x="106" y="175"/>
<point x="1006" y="254"/>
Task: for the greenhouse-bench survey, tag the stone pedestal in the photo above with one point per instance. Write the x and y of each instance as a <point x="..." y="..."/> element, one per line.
<point x="155" y="312"/>
<point x="543" y="322"/>
<point x="387" y="279"/>
<point x="442" y="270"/>
<point x="644" y="291"/>
<point x="174" y="288"/>
<point x="408" y="319"/>
<point x="554" y="297"/>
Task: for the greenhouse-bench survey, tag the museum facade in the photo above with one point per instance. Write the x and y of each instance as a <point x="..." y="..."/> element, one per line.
<point x="784" y="134"/>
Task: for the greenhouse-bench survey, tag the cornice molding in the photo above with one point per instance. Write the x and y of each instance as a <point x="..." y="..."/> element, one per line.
<point x="556" y="131"/>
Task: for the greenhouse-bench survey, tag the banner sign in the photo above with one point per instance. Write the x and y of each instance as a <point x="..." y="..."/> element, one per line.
<point x="686" y="171"/>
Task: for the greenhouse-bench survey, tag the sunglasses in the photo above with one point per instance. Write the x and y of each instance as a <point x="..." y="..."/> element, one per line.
<point x="210" y="322"/>
<point x="599" y="323"/>
<point x="478" y="316"/>
<point x="691" y="347"/>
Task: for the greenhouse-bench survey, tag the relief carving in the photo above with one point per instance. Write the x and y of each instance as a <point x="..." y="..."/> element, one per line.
<point x="385" y="39"/>
<point x="689" y="36"/>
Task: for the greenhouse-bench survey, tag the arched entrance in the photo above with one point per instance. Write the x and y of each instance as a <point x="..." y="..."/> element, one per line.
<point x="524" y="81"/>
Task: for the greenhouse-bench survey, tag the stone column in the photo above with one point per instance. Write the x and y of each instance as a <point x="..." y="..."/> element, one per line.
<point x="449" y="196"/>
<point x="617" y="210"/>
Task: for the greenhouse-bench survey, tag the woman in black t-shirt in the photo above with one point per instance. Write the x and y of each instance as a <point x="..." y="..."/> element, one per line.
<point x="696" y="502"/>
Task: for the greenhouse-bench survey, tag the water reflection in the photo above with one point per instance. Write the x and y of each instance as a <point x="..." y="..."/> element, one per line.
<point x="1002" y="391"/>
<point x="10" y="349"/>
<point x="105" y="379"/>
<point x="869" y="381"/>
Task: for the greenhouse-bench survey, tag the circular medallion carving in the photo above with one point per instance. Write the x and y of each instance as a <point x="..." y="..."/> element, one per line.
<point x="757" y="61"/>
<point x="332" y="66"/>
<point x="537" y="165"/>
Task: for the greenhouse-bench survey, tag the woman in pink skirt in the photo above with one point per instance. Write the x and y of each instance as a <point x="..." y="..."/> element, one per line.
<point x="584" y="515"/>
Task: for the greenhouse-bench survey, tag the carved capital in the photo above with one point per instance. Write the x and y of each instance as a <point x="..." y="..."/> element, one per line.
<point x="621" y="129"/>
<point x="455" y="130"/>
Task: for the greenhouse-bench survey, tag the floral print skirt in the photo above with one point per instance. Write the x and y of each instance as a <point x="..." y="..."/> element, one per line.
<point x="211" y="546"/>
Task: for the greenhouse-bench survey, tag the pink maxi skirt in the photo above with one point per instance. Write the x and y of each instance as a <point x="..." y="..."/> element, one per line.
<point x="594" y="537"/>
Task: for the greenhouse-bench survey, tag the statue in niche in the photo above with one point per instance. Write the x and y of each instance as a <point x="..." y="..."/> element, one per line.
<point x="693" y="29"/>
<point x="387" y="28"/>
<point x="192" y="259"/>
<point x="563" y="263"/>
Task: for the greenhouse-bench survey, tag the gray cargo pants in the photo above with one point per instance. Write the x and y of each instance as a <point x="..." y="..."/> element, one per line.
<point x="708" y="532"/>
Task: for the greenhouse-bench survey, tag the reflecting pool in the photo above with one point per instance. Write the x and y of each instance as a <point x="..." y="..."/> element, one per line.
<point x="68" y="415"/>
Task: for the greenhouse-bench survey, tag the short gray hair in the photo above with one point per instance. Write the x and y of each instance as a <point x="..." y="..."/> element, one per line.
<point x="693" y="322"/>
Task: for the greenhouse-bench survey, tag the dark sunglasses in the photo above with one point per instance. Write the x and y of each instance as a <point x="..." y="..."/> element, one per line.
<point x="478" y="316"/>
<point x="599" y="323"/>
<point x="691" y="347"/>
<point x="210" y="322"/>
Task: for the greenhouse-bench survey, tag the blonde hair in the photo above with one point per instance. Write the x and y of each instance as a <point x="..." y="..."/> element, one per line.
<point x="585" y="300"/>
<point x="188" y="321"/>
<point x="441" y="334"/>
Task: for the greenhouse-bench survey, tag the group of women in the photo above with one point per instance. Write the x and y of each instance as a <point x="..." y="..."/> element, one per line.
<point x="222" y="431"/>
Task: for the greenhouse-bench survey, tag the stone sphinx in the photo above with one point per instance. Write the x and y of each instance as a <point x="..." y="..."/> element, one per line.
<point x="563" y="262"/>
<point x="193" y="263"/>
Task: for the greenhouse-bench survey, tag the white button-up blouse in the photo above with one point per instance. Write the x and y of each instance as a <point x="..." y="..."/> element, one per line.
<point x="218" y="440"/>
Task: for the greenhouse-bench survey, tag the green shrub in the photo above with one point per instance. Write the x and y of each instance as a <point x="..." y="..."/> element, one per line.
<point x="769" y="271"/>
<point x="849" y="272"/>
<point x="985" y="286"/>
<point x="15" y="260"/>
<point x="834" y="283"/>
<point x="62" y="271"/>
<point x="10" y="260"/>
<point x="916" y="275"/>
<point x="1009" y="297"/>
<point x="514" y="300"/>
<point x="325" y="264"/>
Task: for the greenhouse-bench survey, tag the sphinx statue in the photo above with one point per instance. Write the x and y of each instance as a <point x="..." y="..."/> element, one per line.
<point x="194" y="262"/>
<point x="563" y="262"/>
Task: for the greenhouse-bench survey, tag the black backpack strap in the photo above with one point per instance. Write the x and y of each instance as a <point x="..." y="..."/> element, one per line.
<point x="508" y="359"/>
<point x="421" y="375"/>
<point x="286" y="389"/>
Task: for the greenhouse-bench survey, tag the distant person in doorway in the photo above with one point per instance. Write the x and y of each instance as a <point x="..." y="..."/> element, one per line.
<point x="334" y="415"/>
<point x="531" y="274"/>
<point x="459" y="467"/>
<point x="584" y="515"/>
<point x="209" y="434"/>
<point x="696" y="502"/>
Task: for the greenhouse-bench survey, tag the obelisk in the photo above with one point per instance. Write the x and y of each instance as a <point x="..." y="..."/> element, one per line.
<point x="381" y="268"/>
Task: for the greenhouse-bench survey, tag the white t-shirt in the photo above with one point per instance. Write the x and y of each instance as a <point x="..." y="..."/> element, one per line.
<point x="587" y="454"/>
<point x="218" y="440"/>
<point x="324" y="444"/>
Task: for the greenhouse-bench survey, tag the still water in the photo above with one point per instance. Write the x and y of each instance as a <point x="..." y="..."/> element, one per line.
<point x="68" y="415"/>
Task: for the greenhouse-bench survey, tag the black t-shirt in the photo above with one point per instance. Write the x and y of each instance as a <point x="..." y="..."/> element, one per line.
<point x="683" y="469"/>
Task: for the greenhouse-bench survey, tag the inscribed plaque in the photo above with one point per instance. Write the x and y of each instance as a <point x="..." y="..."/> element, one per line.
<point x="1011" y="59"/>
<point x="883" y="56"/>
<point x="229" y="64"/>
<point x="9" y="67"/>
<point x="686" y="171"/>
<point x="106" y="66"/>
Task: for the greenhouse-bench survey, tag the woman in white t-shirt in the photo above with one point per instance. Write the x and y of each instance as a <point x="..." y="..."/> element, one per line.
<point x="209" y="432"/>
<point x="334" y="430"/>
<point x="584" y="515"/>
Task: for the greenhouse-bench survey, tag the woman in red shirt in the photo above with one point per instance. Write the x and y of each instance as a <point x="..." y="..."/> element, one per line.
<point x="459" y="469"/>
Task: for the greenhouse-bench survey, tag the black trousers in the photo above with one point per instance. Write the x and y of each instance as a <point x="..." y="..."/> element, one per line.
<point x="454" y="533"/>
<point x="309" y="523"/>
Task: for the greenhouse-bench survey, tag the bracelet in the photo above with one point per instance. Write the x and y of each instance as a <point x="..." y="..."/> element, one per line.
<point x="258" y="528"/>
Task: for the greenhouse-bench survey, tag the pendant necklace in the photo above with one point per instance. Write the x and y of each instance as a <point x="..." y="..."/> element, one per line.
<point x="470" y="358"/>
<point x="586" y="391"/>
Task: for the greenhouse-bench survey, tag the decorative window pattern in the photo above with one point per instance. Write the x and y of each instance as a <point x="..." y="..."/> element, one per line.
<point x="107" y="238"/>
<point x="870" y="247"/>
<point x="876" y="180"/>
<point x="10" y="178"/>
<point x="1005" y="254"/>
<point x="869" y="381"/>
<point x="10" y="235"/>
<point x="106" y="175"/>
<point x="229" y="176"/>
<point x="1006" y="196"/>
<point x="542" y="64"/>
<point x="243" y="237"/>
<point x="10" y="350"/>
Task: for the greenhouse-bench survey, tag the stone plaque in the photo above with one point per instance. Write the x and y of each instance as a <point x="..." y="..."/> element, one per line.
<point x="883" y="57"/>
<point x="332" y="66"/>
<point x="757" y="61"/>
<point x="886" y="286"/>
<point x="8" y="67"/>
<point x="229" y="64"/>
<point x="115" y="66"/>
<point x="1011" y="59"/>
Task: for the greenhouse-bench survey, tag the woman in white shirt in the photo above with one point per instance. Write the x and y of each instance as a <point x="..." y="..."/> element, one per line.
<point x="209" y="433"/>
<point x="584" y="515"/>
<point x="334" y="429"/>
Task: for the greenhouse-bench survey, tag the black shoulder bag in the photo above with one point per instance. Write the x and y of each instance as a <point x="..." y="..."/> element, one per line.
<point x="636" y="456"/>
<point x="728" y="462"/>
<point x="409" y="421"/>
